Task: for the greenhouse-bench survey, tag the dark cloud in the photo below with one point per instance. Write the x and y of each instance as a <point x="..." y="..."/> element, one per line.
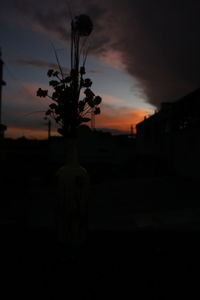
<point x="163" y="49"/>
<point x="158" y="41"/>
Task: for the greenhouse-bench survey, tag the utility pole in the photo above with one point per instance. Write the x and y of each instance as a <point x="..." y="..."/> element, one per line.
<point x="131" y="136"/>
<point x="49" y="127"/>
<point x="2" y="83"/>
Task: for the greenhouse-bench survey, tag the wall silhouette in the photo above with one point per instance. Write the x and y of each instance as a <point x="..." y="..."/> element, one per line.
<point x="170" y="138"/>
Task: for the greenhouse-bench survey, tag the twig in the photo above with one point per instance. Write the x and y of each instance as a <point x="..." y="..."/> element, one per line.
<point x="58" y="61"/>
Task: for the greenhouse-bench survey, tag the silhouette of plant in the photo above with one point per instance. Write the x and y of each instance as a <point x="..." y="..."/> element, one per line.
<point x="68" y="110"/>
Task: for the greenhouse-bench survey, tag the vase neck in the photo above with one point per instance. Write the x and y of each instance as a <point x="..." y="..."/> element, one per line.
<point x="71" y="151"/>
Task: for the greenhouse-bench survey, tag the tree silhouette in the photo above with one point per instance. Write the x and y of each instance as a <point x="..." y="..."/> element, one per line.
<point x="68" y="110"/>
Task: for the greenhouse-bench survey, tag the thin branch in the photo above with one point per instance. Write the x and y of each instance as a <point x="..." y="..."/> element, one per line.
<point x="70" y="11"/>
<point x="83" y="44"/>
<point x="86" y="52"/>
<point x="59" y="77"/>
<point x="49" y="97"/>
<point x="87" y="112"/>
<point x="58" y="61"/>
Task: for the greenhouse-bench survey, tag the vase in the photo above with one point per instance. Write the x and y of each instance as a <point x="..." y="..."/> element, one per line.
<point x="73" y="194"/>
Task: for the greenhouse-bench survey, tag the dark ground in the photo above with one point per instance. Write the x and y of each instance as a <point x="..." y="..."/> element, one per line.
<point x="143" y="239"/>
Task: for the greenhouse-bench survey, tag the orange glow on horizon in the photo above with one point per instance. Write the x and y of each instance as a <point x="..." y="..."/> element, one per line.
<point x="119" y="119"/>
<point x="17" y="132"/>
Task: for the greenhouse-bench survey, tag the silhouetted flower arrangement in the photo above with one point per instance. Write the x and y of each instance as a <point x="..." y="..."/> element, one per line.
<point x="67" y="109"/>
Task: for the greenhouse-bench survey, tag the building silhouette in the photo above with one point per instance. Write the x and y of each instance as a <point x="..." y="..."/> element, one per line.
<point x="169" y="141"/>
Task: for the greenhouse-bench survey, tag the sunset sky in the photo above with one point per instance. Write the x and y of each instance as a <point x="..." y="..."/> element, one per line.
<point x="142" y="53"/>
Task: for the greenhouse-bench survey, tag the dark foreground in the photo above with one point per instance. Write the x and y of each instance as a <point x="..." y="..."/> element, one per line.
<point x="128" y="265"/>
<point x="143" y="241"/>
